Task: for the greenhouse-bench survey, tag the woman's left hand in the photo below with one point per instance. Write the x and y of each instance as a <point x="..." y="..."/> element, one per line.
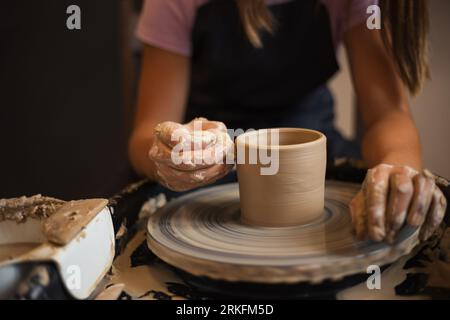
<point x="393" y="196"/>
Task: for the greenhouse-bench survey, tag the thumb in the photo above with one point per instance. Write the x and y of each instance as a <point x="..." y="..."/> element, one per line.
<point x="171" y="133"/>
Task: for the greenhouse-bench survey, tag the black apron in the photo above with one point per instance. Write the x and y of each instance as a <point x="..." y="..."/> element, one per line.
<point x="279" y="85"/>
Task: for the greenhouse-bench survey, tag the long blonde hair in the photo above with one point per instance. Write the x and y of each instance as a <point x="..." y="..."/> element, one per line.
<point x="405" y="32"/>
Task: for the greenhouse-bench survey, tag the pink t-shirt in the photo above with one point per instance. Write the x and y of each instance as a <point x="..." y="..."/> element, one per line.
<point x="167" y="24"/>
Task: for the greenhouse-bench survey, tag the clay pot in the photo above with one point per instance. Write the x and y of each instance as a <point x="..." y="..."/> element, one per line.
<point x="281" y="174"/>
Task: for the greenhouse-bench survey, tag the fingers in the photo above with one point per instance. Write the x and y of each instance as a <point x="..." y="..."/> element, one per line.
<point x="203" y="124"/>
<point x="376" y="191"/>
<point x="197" y="134"/>
<point x="165" y="132"/>
<point x="423" y="192"/>
<point x="198" y="140"/>
<point x="174" y="134"/>
<point x="393" y="195"/>
<point x="188" y="159"/>
<point x="400" y="193"/>
<point x="159" y="151"/>
<point x="191" y="155"/>
<point x="359" y="216"/>
<point x="435" y="215"/>
<point x="198" y="159"/>
<point x="178" y="180"/>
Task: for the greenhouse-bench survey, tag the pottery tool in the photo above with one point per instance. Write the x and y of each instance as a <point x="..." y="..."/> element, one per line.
<point x="77" y="236"/>
<point x="201" y="233"/>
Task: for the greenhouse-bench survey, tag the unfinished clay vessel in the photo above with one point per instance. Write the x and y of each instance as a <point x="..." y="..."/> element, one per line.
<point x="281" y="174"/>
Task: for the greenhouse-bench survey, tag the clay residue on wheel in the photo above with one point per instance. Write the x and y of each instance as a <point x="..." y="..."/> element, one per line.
<point x="35" y="207"/>
<point x="70" y="219"/>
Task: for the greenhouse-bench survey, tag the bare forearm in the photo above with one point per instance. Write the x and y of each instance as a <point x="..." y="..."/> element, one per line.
<point x="393" y="139"/>
<point x="162" y="95"/>
<point x="139" y="146"/>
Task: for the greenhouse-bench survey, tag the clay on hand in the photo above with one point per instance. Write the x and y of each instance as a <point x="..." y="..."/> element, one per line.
<point x="393" y="196"/>
<point x="203" y="146"/>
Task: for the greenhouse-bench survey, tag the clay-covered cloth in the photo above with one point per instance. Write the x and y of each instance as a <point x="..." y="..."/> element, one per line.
<point x="424" y="274"/>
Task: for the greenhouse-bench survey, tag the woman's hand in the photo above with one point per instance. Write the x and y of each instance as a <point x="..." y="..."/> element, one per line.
<point x="191" y="155"/>
<point x="392" y="196"/>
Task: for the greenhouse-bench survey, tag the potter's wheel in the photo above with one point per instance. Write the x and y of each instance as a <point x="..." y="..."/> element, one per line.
<point x="201" y="234"/>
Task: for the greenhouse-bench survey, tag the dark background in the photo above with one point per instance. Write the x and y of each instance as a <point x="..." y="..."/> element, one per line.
<point x="63" y="109"/>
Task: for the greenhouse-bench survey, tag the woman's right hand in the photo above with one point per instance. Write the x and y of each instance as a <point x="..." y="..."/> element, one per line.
<point x="191" y="155"/>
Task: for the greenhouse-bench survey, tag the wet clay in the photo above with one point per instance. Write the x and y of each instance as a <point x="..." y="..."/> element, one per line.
<point x="70" y="219"/>
<point x="19" y="210"/>
<point x="139" y="279"/>
<point x="294" y="195"/>
<point x="61" y="220"/>
<point x="36" y="207"/>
